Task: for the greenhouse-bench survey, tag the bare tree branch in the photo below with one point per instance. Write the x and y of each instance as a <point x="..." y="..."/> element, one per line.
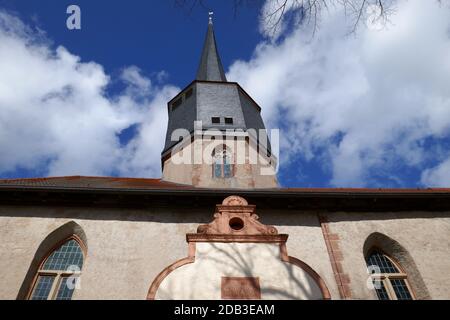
<point x="277" y="13"/>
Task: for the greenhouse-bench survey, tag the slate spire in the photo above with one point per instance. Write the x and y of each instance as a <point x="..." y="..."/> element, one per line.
<point x="210" y="68"/>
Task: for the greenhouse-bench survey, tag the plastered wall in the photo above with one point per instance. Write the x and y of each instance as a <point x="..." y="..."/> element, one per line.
<point x="126" y="249"/>
<point x="201" y="280"/>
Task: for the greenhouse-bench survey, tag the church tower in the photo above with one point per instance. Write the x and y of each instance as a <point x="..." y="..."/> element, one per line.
<point x="216" y="137"/>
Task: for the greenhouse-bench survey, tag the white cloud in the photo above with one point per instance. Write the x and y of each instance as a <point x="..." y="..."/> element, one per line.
<point x="138" y="84"/>
<point x="55" y="116"/>
<point x="362" y="104"/>
<point x="438" y="176"/>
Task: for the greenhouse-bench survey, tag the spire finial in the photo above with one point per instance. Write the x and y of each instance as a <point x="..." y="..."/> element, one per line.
<point x="210" y="13"/>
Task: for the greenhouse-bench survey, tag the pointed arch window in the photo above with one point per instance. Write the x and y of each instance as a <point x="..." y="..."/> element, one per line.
<point x="222" y="164"/>
<point x="389" y="280"/>
<point x="59" y="273"/>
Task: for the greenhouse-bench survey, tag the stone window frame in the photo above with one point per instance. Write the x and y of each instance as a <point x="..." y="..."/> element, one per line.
<point x="58" y="275"/>
<point x="225" y="152"/>
<point x="397" y="252"/>
<point x="387" y="277"/>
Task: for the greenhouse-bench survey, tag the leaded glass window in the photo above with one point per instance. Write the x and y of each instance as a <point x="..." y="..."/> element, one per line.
<point x="390" y="283"/>
<point x="59" y="273"/>
<point x="226" y="167"/>
<point x="401" y="289"/>
<point x="42" y="288"/>
<point x="65" y="290"/>
<point x="222" y="166"/>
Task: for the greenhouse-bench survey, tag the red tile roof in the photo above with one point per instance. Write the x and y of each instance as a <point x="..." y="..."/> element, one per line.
<point x="92" y="183"/>
<point x="368" y="190"/>
<point x="83" y="182"/>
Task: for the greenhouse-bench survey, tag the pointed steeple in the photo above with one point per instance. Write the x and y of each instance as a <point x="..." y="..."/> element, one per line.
<point x="211" y="104"/>
<point x="210" y="68"/>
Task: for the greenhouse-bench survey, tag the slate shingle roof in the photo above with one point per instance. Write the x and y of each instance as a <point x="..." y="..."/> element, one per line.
<point x="211" y="96"/>
<point x="210" y="68"/>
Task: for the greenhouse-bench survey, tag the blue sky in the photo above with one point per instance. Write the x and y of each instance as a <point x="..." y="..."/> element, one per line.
<point x="154" y="35"/>
<point x="371" y="109"/>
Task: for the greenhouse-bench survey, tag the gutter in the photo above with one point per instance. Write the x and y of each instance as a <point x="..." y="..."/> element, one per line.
<point x="282" y="193"/>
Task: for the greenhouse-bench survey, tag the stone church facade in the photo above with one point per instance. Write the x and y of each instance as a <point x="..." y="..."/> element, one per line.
<point x="217" y="225"/>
